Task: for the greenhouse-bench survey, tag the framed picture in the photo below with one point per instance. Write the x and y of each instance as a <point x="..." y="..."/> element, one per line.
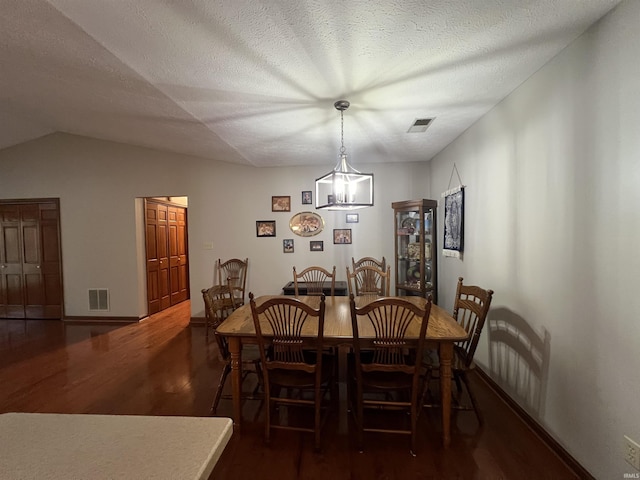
<point x="316" y="245"/>
<point x="306" y="224"/>
<point x="280" y="204"/>
<point x="342" y="235"/>
<point x="287" y="245"/>
<point x="265" y="228"/>
<point x="307" y="197"/>
<point x="353" y="217"/>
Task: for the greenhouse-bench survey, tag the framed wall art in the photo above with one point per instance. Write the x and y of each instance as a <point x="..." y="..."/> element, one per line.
<point x="342" y="235"/>
<point x="265" y="228"/>
<point x="306" y="224"/>
<point x="316" y="245"/>
<point x="287" y="245"/>
<point x="281" y="204"/>
<point x="353" y="217"/>
<point x="307" y="197"/>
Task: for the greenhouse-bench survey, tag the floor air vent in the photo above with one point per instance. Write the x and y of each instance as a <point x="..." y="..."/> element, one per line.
<point x="98" y="299"/>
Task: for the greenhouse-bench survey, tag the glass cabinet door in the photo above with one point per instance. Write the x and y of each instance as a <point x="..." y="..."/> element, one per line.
<point x="415" y="256"/>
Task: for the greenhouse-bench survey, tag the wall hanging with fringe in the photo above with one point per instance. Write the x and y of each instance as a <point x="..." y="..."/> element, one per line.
<point x="453" y="244"/>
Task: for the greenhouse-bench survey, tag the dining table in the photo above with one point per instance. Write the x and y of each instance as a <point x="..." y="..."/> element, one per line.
<point x="442" y="332"/>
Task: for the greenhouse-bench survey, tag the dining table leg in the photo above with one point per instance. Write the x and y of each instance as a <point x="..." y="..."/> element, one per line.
<point x="235" y="350"/>
<point x="446" y="355"/>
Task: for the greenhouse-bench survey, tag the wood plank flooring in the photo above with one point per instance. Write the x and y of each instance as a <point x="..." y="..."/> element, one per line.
<point x="163" y="366"/>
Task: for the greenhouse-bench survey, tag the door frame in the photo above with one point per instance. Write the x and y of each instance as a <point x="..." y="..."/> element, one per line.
<point x="164" y="200"/>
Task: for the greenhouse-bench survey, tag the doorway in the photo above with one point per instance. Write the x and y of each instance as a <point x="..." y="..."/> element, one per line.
<point x="167" y="257"/>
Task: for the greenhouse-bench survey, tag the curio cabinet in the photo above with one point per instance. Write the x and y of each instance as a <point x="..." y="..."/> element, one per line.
<point x="415" y="248"/>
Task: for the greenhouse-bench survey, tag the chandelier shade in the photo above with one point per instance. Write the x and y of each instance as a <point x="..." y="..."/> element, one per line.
<point x="344" y="188"/>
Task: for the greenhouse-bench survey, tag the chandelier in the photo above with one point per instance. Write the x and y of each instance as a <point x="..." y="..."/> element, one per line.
<point x="344" y="188"/>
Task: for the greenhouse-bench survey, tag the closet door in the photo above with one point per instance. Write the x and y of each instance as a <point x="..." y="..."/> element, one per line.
<point x="11" y="283"/>
<point x="167" y="259"/>
<point x="179" y="274"/>
<point x="157" y="257"/>
<point x="30" y="272"/>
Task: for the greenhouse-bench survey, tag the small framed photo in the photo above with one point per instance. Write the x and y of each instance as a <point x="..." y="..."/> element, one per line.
<point x="265" y="228"/>
<point x="280" y="204"/>
<point x="316" y="245"/>
<point x="287" y="245"/>
<point x="353" y="217"/>
<point x="307" y="197"/>
<point x="342" y="235"/>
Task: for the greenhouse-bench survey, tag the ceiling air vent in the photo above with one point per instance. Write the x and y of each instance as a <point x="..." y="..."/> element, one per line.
<point x="420" y="125"/>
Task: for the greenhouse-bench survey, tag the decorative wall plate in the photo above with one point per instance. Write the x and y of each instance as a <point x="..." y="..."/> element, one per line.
<point x="306" y="224"/>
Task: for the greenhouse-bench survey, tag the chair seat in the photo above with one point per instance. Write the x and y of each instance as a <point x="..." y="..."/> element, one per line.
<point x="300" y="379"/>
<point x="386" y="381"/>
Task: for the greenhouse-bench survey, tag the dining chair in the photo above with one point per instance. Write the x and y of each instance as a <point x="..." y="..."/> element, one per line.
<point x="315" y="278"/>
<point x="385" y="369"/>
<point x="215" y="313"/>
<point x="368" y="262"/>
<point x="369" y="280"/>
<point x="216" y="306"/>
<point x="233" y="273"/>
<point x="290" y="335"/>
<point x="470" y="309"/>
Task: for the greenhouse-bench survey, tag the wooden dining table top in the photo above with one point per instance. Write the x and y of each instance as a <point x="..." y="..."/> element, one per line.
<point x="337" y="322"/>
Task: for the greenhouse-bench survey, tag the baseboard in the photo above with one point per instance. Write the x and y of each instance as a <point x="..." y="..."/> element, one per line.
<point x="98" y="320"/>
<point x="551" y="442"/>
<point x="197" y="320"/>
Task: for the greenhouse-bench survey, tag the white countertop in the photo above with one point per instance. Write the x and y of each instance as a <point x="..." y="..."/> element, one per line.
<point x="69" y="447"/>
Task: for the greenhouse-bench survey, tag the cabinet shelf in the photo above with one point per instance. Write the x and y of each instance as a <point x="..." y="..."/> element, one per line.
<point x="415" y="247"/>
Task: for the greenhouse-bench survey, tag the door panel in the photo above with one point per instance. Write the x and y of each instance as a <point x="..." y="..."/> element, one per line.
<point x="174" y="258"/>
<point x="11" y="267"/>
<point x="183" y="268"/>
<point x="163" y="257"/>
<point x="153" y="262"/>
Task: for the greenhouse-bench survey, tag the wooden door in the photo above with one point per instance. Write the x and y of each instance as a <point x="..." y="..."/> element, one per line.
<point x="30" y="273"/>
<point x="167" y="258"/>
<point x="179" y="274"/>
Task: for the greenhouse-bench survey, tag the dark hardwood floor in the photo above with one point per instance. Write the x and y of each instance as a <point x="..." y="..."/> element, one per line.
<point x="163" y="366"/>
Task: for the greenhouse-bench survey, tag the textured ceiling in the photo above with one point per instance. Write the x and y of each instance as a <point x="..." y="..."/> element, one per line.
<point x="254" y="82"/>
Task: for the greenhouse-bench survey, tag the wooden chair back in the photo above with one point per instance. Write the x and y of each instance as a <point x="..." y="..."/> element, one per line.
<point x="388" y="343"/>
<point x="290" y="335"/>
<point x="369" y="280"/>
<point x="369" y="262"/>
<point x="470" y="310"/>
<point x="233" y="273"/>
<point x="392" y="325"/>
<point x="285" y="330"/>
<point x="214" y="310"/>
<point x="315" y="279"/>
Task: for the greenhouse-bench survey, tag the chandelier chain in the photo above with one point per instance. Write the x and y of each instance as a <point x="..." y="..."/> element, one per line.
<point x="342" y="149"/>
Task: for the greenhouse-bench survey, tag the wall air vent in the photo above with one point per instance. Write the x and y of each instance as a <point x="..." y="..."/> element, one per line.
<point x="98" y="300"/>
<point x="420" y="125"/>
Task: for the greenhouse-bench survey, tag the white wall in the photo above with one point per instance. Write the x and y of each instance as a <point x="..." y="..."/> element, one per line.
<point x="100" y="184"/>
<point x="552" y="225"/>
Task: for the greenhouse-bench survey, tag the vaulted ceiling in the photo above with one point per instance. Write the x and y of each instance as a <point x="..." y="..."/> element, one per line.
<point x="254" y="81"/>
